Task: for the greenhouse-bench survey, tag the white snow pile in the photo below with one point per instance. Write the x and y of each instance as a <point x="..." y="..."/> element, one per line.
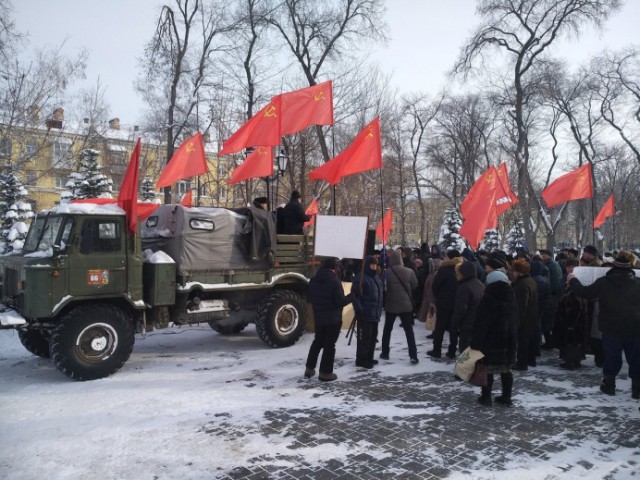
<point x="156" y="257"/>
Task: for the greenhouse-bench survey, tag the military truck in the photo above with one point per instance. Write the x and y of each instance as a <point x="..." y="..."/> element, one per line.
<point x="82" y="286"/>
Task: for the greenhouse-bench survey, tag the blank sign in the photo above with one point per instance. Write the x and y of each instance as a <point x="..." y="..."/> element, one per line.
<point x="342" y="237"/>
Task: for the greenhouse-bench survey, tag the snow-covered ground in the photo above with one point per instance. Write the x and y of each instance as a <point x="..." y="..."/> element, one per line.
<point x="174" y="410"/>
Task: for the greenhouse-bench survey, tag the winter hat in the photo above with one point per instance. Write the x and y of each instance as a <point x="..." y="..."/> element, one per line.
<point x="331" y="263"/>
<point x="544" y="251"/>
<point x="521" y="266"/>
<point x="496" y="261"/>
<point x="453" y="253"/>
<point x="624" y="260"/>
<point x="496" y="276"/>
<point x="295" y="194"/>
<point x="372" y="260"/>
<point x="591" y="250"/>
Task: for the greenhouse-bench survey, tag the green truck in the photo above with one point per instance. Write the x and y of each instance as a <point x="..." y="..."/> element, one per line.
<point x="82" y="287"/>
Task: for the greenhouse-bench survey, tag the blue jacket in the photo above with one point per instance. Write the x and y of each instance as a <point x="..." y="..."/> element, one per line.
<point x="368" y="306"/>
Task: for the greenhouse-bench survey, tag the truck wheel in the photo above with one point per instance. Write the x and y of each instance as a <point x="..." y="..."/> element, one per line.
<point x="36" y="341"/>
<point x="281" y="318"/>
<point x="92" y="341"/>
<point x="228" y="329"/>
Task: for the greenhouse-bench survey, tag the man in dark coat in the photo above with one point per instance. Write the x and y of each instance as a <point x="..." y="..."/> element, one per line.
<point x="556" y="284"/>
<point x="526" y="294"/>
<point x="293" y="216"/>
<point x="618" y="293"/>
<point x="367" y="303"/>
<point x="494" y="334"/>
<point x="540" y="275"/>
<point x="326" y="296"/>
<point x="444" y="289"/>
<point x="401" y="281"/>
<point x="468" y="295"/>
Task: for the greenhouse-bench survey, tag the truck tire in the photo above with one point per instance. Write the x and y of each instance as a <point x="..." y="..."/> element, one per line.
<point x="281" y="318"/>
<point x="92" y="341"/>
<point x="36" y="341"/>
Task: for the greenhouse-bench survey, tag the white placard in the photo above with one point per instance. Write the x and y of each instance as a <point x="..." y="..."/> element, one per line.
<point x="342" y="237"/>
<point x="588" y="275"/>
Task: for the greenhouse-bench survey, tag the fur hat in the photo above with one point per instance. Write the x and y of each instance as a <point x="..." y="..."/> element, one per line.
<point x="591" y="250"/>
<point x="496" y="276"/>
<point x="521" y="266"/>
<point x="496" y="260"/>
<point x="624" y="260"/>
<point x="544" y="251"/>
<point x="295" y="194"/>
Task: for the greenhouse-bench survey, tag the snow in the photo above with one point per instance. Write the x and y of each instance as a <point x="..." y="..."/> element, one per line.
<point x="88" y="208"/>
<point x="11" y="317"/>
<point x="150" y="419"/>
<point x="41" y="254"/>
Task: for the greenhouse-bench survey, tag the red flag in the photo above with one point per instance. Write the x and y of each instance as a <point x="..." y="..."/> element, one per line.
<point x="574" y="185"/>
<point x="187" y="200"/>
<point x="505" y="198"/>
<point x="128" y="196"/>
<point x="608" y="210"/>
<point x="384" y="227"/>
<point x="261" y="129"/>
<point x="312" y="210"/>
<point x="365" y="153"/>
<point x="258" y="163"/>
<point x="479" y="208"/>
<point x="188" y="161"/>
<point x="307" y="106"/>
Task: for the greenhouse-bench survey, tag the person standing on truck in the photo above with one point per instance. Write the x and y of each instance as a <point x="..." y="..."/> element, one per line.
<point x="293" y="215"/>
<point x="326" y="296"/>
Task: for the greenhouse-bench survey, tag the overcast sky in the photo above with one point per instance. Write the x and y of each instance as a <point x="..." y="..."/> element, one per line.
<point x="426" y="37"/>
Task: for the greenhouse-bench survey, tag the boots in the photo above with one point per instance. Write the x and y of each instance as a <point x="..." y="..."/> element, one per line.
<point x="485" y="397"/>
<point x="548" y="341"/>
<point x="507" y="387"/>
<point x="327" y="377"/>
<point x="309" y="372"/>
<point x="635" y="388"/>
<point x="608" y="385"/>
<point x="435" y="353"/>
<point x="451" y="352"/>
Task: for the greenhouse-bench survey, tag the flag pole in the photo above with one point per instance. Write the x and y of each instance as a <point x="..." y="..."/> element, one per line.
<point x="382" y="219"/>
<point x="593" y="206"/>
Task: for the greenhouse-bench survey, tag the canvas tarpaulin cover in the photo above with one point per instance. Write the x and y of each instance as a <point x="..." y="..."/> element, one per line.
<point x="203" y="239"/>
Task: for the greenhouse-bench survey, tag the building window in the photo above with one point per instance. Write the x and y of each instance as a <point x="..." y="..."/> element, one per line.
<point x="32" y="147"/>
<point x="5" y="147"/>
<point x="61" y="155"/>
<point x="59" y="182"/>
<point x="30" y="177"/>
<point x="183" y="187"/>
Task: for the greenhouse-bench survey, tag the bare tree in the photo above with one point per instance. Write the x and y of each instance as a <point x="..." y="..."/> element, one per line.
<point x="524" y="30"/>
<point x="178" y="60"/>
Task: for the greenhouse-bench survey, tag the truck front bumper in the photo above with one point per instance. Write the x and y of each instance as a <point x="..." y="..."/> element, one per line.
<point x="9" y="318"/>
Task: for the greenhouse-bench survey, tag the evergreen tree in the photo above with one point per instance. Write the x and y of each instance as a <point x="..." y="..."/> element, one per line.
<point x="147" y="191"/>
<point x="87" y="182"/>
<point x="491" y="240"/>
<point x="449" y="236"/>
<point x="14" y="210"/>
<point x="515" y="239"/>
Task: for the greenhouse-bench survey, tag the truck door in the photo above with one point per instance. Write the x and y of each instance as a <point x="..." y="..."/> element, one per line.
<point x="99" y="263"/>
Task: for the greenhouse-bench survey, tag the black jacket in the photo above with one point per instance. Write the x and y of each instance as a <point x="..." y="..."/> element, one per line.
<point x="494" y="329"/>
<point x="468" y="296"/>
<point x="619" y="297"/>
<point x="293" y="218"/>
<point x="326" y="296"/>
<point x="526" y="293"/>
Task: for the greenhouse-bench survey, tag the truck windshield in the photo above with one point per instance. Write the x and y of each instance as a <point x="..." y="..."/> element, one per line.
<point x="42" y="234"/>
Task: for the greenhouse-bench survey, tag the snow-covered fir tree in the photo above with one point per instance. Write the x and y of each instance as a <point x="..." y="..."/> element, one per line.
<point x="449" y="236"/>
<point x="147" y="191"/>
<point x="87" y="182"/>
<point x="14" y="211"/>
<point x="491" y="240"/>
<point x="515" y="239"/>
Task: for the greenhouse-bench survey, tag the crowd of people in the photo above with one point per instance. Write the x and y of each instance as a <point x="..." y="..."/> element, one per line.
<point x="508" y="307"/>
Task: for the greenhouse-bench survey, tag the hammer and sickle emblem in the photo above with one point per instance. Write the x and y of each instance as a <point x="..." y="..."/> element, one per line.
<point x="190" y="147"/>
<point x="490" y="178"/>
<point x="271" y="111"/>
<point x="319" y="96"/>
<point x="370" y="134"/>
